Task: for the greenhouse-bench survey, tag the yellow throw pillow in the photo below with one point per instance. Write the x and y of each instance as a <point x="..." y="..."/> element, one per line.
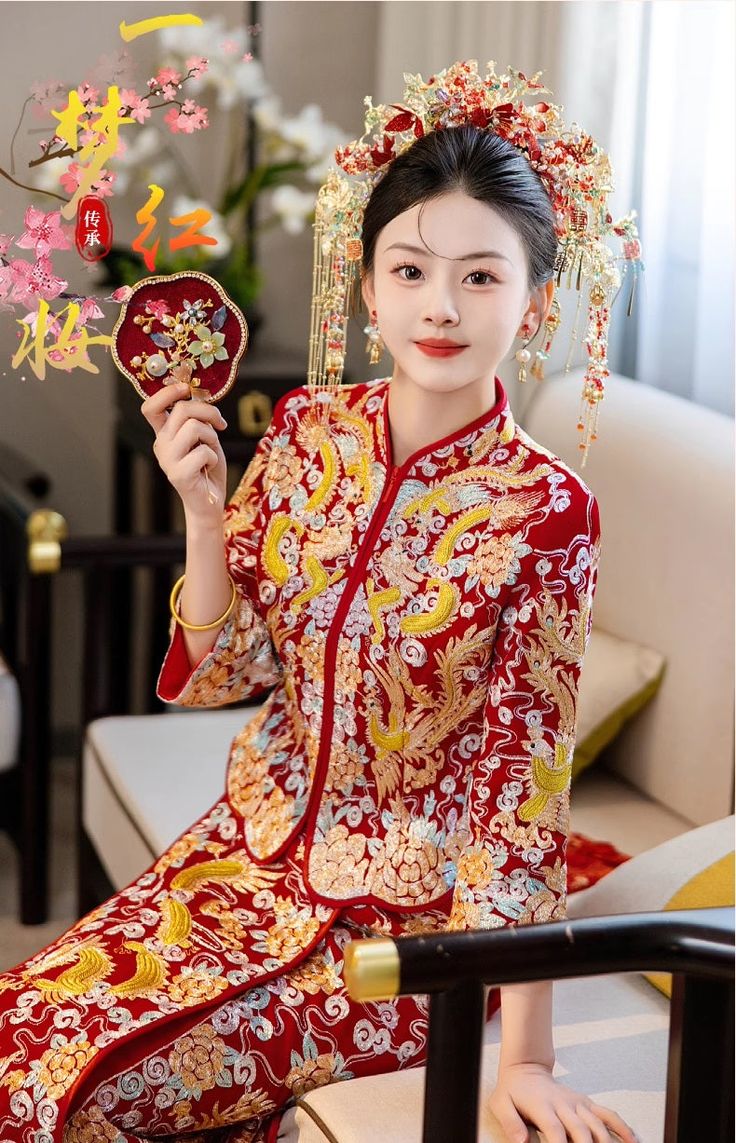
<point x="711" y="887"/>
<point x="618" y="678"/>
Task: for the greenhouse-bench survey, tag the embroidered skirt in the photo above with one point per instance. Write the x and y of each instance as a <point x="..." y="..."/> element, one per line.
<point x="204" y="997"/>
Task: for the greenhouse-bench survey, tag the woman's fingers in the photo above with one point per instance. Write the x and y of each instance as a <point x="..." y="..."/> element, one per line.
<point x="598" y="1129"/>
<point x="615" y="1123"/>
<point x="156" y="408"/>
<point x="196" y="410"/>
<point x="510" y="1121"/>
<point x="191" y="433"/>
<point x="186" y="442"/>
<point x="200" y="457"/>
<point x="167" y="410"/>
<point x="577" y="1127"/>
<point x="552" y="1132"/>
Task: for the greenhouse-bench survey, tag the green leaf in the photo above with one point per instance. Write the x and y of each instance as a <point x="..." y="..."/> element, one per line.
<point x="276" y="174"/>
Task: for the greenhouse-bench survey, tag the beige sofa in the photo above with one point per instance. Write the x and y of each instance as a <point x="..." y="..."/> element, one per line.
<point x="662" y="470"/>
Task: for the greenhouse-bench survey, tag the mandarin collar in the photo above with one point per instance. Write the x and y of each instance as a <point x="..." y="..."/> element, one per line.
<point x="470" y="444"/>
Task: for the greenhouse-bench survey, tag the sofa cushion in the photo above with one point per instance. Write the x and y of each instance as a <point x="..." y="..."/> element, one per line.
<point x="690" y="871"/>
<point x="709" y="888"/>
<point x="9" y="717"/>
<point x="611" y="1044"/>
<point x="648" y="881"/>
<point x="146" y="778"/>
<point x="662" y="473"/>
<point x="618" y="679"/>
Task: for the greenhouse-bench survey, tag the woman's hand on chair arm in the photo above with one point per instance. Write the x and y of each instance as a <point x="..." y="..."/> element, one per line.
<point x="526" y="1091"/>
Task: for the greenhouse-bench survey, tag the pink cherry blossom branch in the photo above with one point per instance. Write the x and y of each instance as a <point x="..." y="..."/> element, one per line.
<point x="35" y="190"/>
<point x="17" y="129"/>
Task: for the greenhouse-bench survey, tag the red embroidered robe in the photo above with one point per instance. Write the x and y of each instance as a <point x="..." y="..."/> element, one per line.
<point x="423" y="627"/>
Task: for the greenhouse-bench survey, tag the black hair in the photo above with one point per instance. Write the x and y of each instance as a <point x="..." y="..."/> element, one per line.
<point x="484" y="166"/>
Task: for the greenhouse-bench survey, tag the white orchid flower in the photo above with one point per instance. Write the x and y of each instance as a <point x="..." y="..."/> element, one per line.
<point x="214" y="227"/>
<point x="46" y="176"/>
<point x="233" y="79"/>
<point x="267" y="113"/>
<point x="308" y="131"/>
<point x="203" y="39"/>
<point x="292" y="207"/>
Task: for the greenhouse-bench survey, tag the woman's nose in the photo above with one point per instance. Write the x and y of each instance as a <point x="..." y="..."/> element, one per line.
<point x="440" y="306"/>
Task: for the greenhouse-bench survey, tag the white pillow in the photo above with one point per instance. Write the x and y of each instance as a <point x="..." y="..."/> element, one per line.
<point x="9" y="717"/>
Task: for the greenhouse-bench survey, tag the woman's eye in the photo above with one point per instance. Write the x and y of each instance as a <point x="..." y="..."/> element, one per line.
<point x="475" y="274"/>
<point x="482" y="274"/>
<point x="408" y="267"/>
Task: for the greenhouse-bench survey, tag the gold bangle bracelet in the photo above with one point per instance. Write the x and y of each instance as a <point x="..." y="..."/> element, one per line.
<point x="175" y="591"/>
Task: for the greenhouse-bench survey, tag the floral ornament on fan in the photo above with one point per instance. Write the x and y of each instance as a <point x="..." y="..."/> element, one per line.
<point x="179" y="327"/>
<point x="185" y="353"/>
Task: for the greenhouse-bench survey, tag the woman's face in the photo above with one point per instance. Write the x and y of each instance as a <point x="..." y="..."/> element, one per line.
<point x="464" y="278"/>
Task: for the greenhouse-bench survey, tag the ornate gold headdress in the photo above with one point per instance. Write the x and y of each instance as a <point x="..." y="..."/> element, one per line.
<point x="573" y="168"/>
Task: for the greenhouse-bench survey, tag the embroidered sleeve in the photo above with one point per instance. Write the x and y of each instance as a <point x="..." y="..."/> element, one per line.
<point x="511" y="863"/>
<point x="243" y="662"/>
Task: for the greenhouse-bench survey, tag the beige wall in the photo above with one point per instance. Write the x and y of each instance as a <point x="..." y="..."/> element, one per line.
<point x="313" y="52"/>
<point x="321" y="53"/>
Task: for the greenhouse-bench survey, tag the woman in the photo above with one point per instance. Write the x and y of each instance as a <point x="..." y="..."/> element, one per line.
<point x="413" y="577"/>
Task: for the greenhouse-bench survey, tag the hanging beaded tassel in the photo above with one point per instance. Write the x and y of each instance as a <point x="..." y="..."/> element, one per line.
<point x="597" y="371"/>
<point x="632" y="254"/>
<point x="551" y="325"/>
<point x="374" y="346"/>
<point x="336" y="254"/>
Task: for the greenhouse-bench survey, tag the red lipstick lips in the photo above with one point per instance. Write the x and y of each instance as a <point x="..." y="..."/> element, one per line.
<point x="439" y="347"/>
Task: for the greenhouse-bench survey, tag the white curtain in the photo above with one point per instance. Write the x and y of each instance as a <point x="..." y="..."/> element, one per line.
<point x="426" y="37"/>
<point x="648" y="81"/>
<point x="686" y="326"/>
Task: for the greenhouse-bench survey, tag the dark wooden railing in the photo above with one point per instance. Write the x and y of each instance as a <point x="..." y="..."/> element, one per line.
<point x="23" y="487"/>
<point x="34" y="550"/>
<point x="696" y="945"/>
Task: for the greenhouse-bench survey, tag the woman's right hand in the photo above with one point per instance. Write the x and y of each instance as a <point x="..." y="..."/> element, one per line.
<point x="186" y="442"/>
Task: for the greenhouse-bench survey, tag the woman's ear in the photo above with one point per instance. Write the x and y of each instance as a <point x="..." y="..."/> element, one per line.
<point x="367" y="291"/>
<point x="539" y="306"/>
<point x="548" y="295"/>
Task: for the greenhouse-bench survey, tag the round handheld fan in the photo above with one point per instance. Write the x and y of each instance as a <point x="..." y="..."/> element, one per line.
<point x="175" y="328"/>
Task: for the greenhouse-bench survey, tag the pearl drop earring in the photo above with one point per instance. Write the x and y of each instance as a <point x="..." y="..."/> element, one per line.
<point x="523" y="356"/>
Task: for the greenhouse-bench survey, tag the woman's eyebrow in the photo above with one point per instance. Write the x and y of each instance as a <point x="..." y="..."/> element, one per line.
<point x="464" y="258"/>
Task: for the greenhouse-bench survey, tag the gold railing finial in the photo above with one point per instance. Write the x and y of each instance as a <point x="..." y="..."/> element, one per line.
<point x="372" y="969"/>
<point x="45" y="530"/>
